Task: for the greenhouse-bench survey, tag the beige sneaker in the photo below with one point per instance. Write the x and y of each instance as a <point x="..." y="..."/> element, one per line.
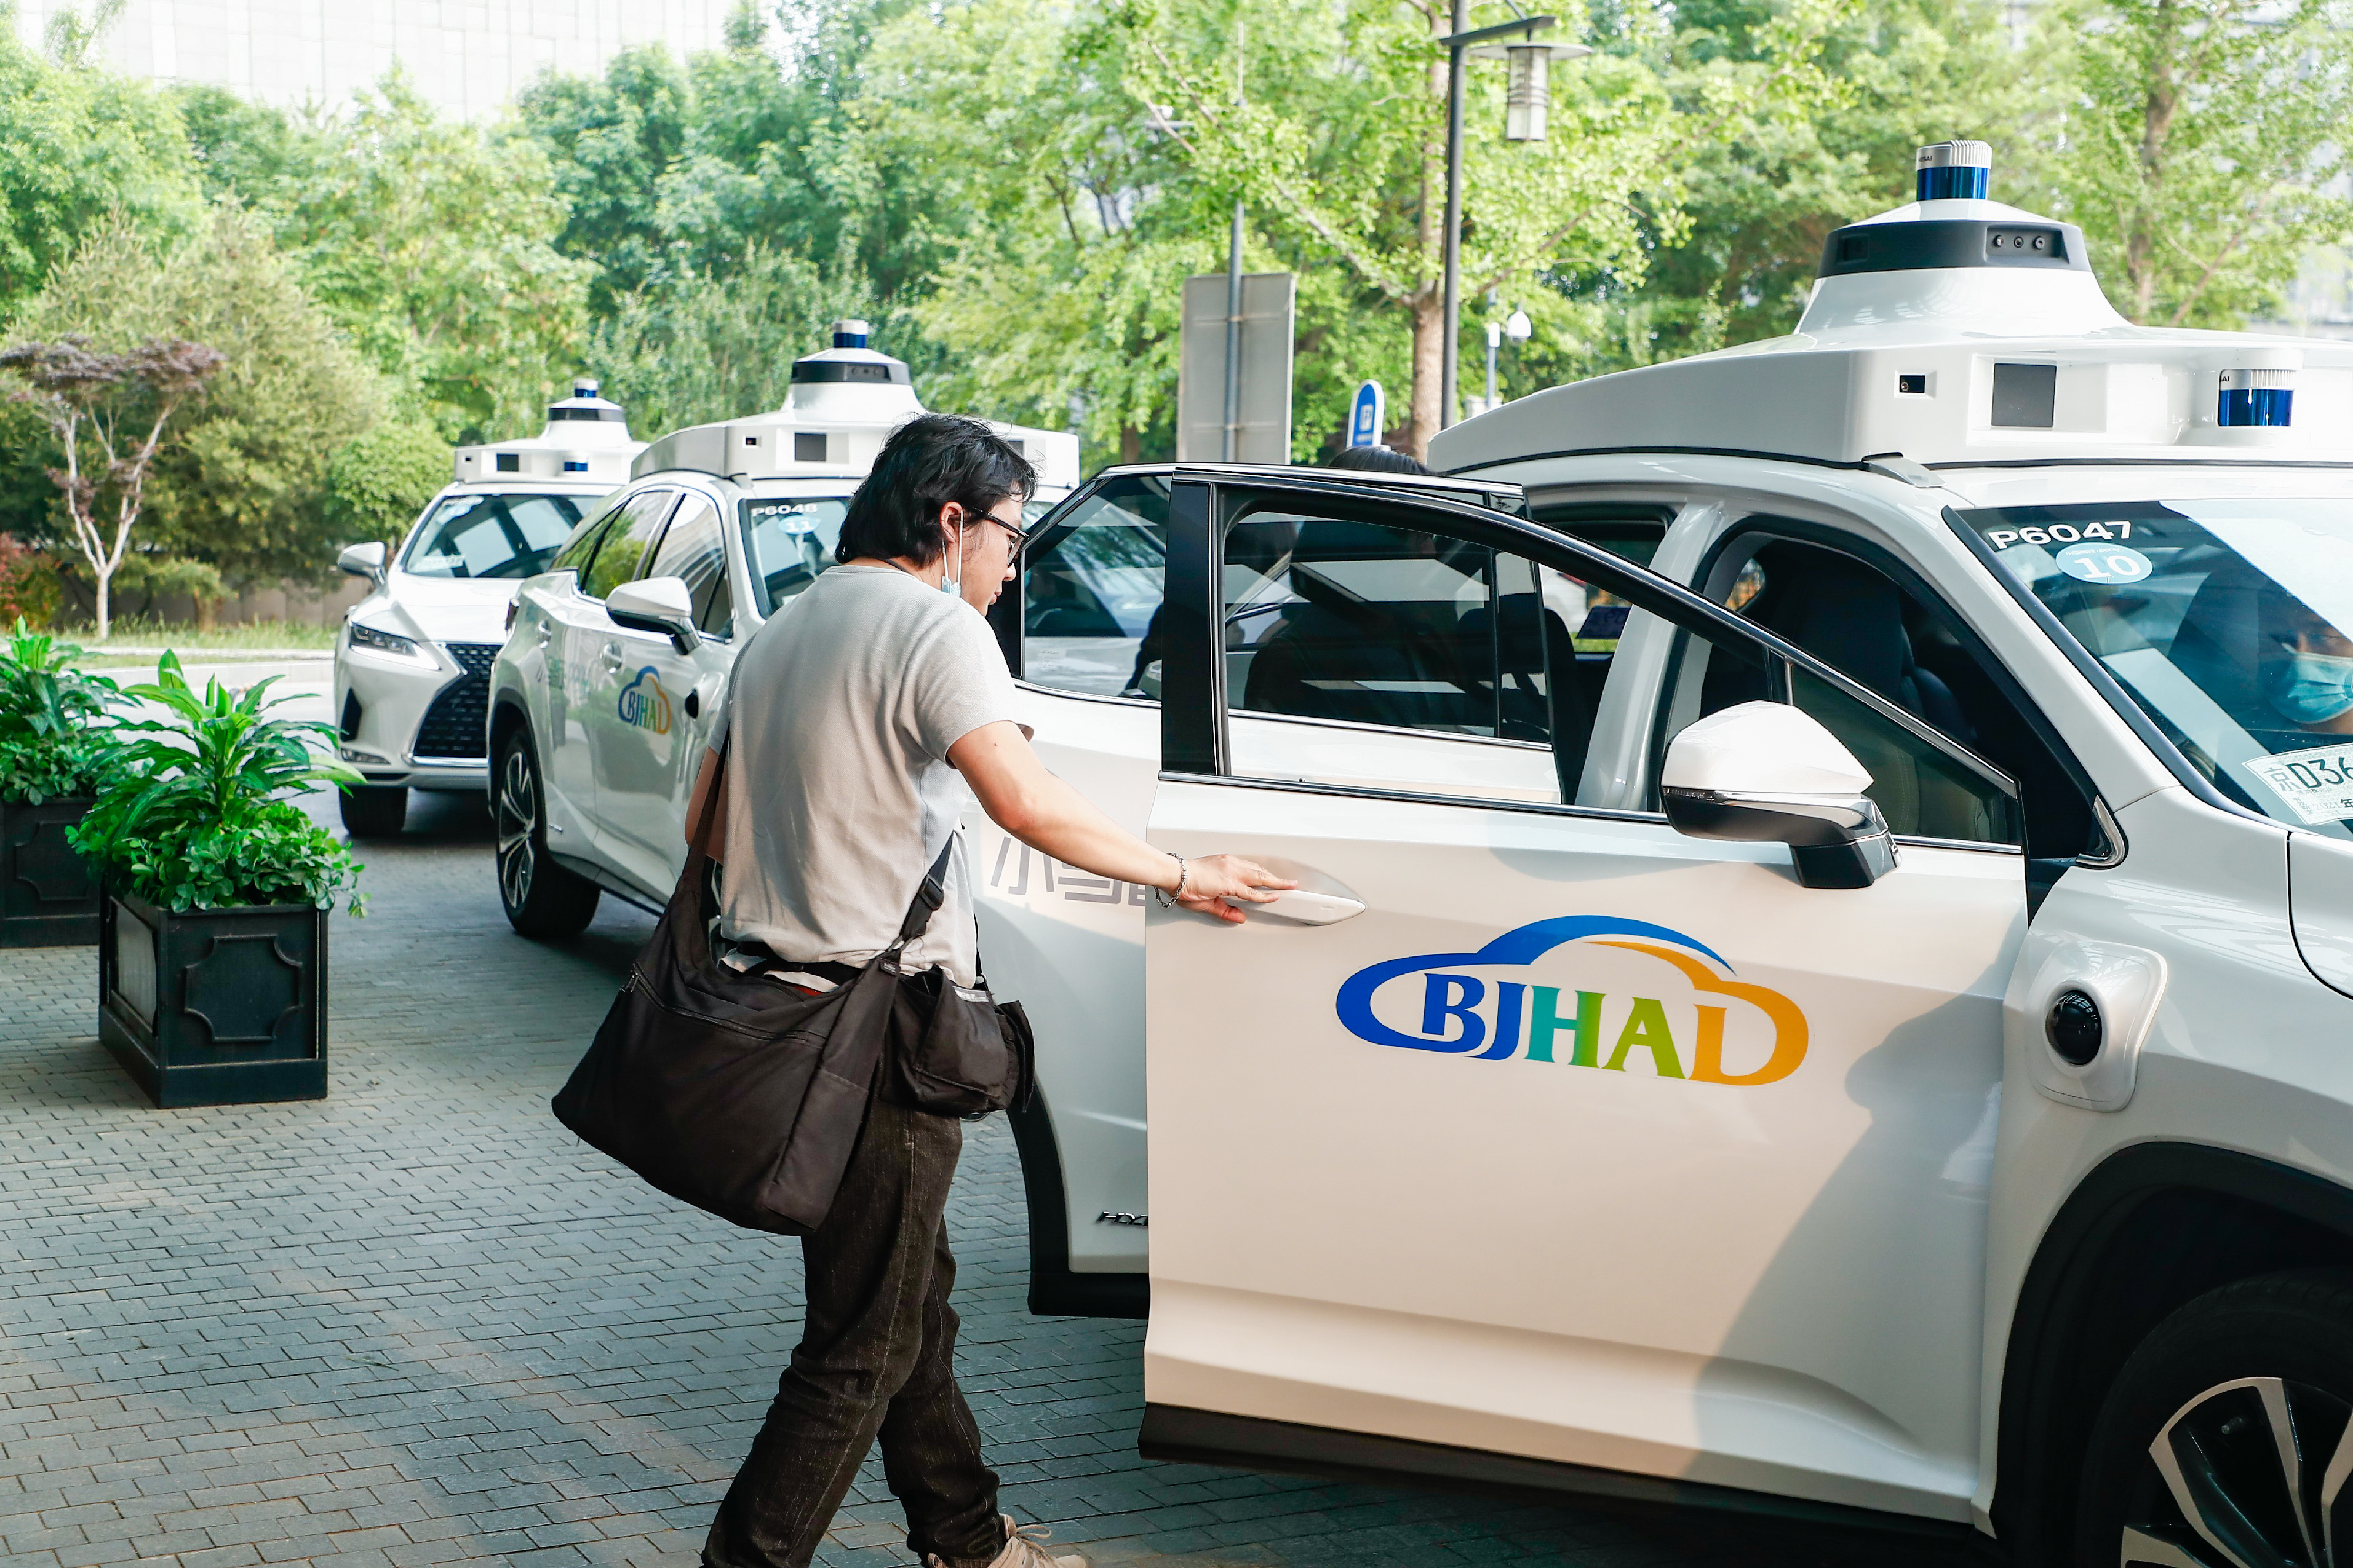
<point x="1024" y="1548"/>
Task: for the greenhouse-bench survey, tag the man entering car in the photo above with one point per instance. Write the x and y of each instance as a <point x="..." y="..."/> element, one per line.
<point x="853" y="715"/>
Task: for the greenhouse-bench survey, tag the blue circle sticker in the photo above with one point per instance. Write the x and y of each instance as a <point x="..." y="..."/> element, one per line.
<point x="2104" y="564"/>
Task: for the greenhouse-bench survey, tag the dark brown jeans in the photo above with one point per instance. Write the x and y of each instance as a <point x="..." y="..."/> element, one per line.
<point x="875" y="1360"/>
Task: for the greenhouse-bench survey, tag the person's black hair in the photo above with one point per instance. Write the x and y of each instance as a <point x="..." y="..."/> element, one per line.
<point x="1374" y="459"/>
<point x="929" y="461"/>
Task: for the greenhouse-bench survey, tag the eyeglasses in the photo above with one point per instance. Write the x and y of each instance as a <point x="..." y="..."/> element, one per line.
<point x="1020" y="535"/>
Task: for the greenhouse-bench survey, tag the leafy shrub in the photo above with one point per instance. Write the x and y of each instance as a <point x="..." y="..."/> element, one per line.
<point x="201" y="818"/>
<point x="50" y="744"/>
<point x="29" y="589"/>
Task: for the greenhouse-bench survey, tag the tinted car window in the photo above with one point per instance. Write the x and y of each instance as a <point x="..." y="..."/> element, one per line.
<point x="690" y="549"/>
<point x="623" y="544"/>
<point x="787" y="540"/>
<point x="508" y="536"/>
<point x="1091" y="593"/>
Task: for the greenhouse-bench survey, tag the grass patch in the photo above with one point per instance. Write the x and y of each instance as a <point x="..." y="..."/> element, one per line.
<point x="259" y="638"/>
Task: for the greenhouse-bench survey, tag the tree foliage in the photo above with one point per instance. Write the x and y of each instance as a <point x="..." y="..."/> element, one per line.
<point x="77" y="143"/>
<point x="241" y="488"/>
<point x="2206" y="149"/>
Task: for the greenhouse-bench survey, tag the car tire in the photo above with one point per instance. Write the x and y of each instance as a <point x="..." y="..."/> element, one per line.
<point x="2218" y="1440"/>
<point x="375" y="811"/>
<point x="541" y="897"/>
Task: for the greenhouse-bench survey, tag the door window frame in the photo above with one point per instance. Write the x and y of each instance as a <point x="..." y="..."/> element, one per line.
<point x="1751" y="525"/>
<point x="653" y="550"/>
<point x="1009" y="615"/>
<point x="1195" y="721"/>
<point x="661" y="526"/>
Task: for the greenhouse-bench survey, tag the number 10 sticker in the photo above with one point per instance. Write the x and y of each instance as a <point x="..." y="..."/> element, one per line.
<point x="2104" y="564"/>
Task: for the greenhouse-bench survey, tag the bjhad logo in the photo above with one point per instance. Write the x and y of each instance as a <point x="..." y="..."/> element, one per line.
<point x="645" y="704"/>
<point x="1533" y="1021"/>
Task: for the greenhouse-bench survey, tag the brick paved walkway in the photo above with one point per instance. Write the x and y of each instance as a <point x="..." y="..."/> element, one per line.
<point x="418" y="1324"/>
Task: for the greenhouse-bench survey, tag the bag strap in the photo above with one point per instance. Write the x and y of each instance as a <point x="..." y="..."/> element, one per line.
<point x="928" y="896"/>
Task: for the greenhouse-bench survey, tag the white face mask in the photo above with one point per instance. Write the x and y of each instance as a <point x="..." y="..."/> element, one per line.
<point x="952" y="580"/>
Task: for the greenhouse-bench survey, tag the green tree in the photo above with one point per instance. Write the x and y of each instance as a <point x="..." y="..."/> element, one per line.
<point x="432" y="244"/>
<point x="378" y="482"/>
<point x="241" y="486"/>
<point x="2204" y="149"/>
<point x="610" y="142"/>
<point x="1799" y="121"/>
<point x="106" y="414"/>
<point x="700" y="347"/>
<point x="1330" y="122"/>
<point x="76" y="143"/>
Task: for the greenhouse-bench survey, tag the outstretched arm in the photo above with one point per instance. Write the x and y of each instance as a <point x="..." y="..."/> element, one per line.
<point x="1023" y="798"/>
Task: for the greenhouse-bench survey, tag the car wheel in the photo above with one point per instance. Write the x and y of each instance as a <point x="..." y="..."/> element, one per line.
<point x="2227" y="1439"/>
<point x="541" y="897"/>
<point x="375" y="811"/>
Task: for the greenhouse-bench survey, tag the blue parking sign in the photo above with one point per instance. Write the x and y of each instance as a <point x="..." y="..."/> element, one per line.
<point x="1368" y="416"/>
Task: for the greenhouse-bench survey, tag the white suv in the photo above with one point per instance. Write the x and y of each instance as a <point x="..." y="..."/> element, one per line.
<point x="413" y="660"/>
<point x="1852" y="1018"/>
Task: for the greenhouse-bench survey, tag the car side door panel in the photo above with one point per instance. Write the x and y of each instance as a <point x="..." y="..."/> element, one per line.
<point x="1586" y="1141"/>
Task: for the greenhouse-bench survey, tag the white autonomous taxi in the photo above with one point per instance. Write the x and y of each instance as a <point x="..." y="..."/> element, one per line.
<point x="1823" y="976"/>
<point x="599" y="701"/>
<point x="413" y="660"/>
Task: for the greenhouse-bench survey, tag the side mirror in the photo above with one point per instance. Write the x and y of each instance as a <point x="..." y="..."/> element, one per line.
<point x="658" y="605"/>
<point x="1767" y="772"/>
<point x="363" y="560"/>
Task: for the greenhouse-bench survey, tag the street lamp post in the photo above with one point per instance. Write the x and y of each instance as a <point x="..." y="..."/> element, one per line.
<point x="1526" y="120"/>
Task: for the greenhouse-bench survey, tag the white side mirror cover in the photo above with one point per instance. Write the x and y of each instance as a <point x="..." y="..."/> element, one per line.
<point x="656" y="598"/>
<point x="363" y="559"/>
<point x="1767" y="748"/>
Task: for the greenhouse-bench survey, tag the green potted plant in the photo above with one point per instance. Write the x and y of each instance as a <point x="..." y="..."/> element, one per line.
<point x="54" y="754"/>
<point x="213" y="930"/>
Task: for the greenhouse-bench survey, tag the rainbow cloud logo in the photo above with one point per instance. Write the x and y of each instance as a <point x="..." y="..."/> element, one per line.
<point x="1486" y="1019"/>
<point x="645" y="704"/>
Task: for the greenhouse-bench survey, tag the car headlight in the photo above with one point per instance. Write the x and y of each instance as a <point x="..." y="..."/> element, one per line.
<point x="384" y="642"/>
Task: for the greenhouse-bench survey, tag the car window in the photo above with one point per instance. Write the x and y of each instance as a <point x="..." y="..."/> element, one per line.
<point x="787" y="540"/>
<point x="2229" y="622"/>
<point x="1922" y="789"/>
<point x="1338" y="618"/>
<point x="1090" y="594"/>
<point x="581" y="548"/>
<point x="624" y="541"/>
<point x="508" y="536"/>
<point x="690" y="549"/>
<point x="1907" y="645"/>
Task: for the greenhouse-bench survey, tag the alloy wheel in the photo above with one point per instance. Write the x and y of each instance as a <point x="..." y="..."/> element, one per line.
<point x="2249" y="1474"/>
<point x="518" y="825"/>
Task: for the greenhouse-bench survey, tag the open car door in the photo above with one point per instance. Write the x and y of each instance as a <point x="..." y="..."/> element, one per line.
<point x="1549" y="1145"/>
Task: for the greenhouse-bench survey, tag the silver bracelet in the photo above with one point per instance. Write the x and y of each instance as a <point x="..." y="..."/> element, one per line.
<point x="1168" y="901"/>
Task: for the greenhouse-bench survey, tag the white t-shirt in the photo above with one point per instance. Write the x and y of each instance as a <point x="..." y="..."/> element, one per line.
<point x="842" y="709"/>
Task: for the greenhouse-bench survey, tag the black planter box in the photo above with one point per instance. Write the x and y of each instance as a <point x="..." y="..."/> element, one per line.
<point x="48" y="894"/>
<point x="216" y="1006"/>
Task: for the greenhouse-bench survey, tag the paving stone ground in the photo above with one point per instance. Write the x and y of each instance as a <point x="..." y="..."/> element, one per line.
<point x="418" y="1324"/>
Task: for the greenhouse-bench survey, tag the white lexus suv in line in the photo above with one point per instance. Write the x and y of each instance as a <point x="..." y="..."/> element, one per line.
<point x="413" y="660"/>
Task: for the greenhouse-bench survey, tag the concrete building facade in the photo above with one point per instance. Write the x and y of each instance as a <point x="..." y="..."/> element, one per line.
<point x="469" y="58"/>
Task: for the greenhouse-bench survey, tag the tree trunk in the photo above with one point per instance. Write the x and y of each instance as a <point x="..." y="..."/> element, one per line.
<point x="1131" y="443"/>
<point x="207" y="611"/>
<point x="105" y="577"/>
<point x="2158" y="111"/>
<point x="1429" y="370"/>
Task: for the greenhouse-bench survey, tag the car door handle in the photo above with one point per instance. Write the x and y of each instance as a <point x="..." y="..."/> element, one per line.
<point x="1299" y="905"/>
<point x="611" y="657"/>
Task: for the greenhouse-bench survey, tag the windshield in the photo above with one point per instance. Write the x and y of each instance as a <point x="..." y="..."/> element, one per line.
<point x="787" y="540"/>
<point x="2225" y="620"/>
<point x="506" y="536"/>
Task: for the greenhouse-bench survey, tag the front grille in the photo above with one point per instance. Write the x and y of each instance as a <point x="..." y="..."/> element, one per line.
<point x="454" y="725"/>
